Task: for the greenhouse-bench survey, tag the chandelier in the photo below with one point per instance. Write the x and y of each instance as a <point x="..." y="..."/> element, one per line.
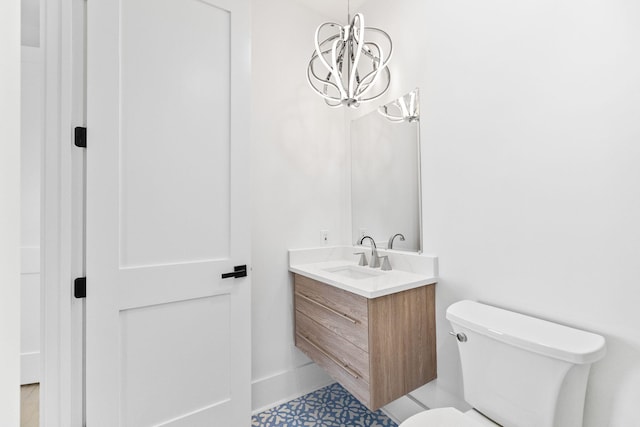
<point x="349" y="64"/>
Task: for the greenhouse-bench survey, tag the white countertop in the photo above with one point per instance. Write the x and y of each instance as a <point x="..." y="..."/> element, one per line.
<point x="371" y="283"/>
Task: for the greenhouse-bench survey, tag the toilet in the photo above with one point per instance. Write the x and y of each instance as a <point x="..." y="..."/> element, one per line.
<point x="517" y="370"/>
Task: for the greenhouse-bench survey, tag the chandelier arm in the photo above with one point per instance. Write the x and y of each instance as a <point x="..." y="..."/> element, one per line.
<point x="337" y="74"/>
<point x="382" y="92"/>
<point x="383" y="112"/>
<point x="314" y="56"/>
<point x="315" y="53"/>
<point x="313" y="72"/>
<point x="322" y="94"/>
<point x="382" y="62"/>
<point x="370" y="79"/>
<point x="310" y="72"/>
<point x="358" y="35"/>
<point x="325" y="96"/>
<point x="317" y="42"/>
<point x="412" y="102"/>
<point x="368" y="53"/>
<point x="340" y="58"/>
<point x="357" y="27"/>
<point x="367" y="85"/>
<point x="338" y="104"/>
<point x="375" y="58"/>
<point x="325" y="41"/>
<point x="386" y="35"/>
<point x="403" y="107"/>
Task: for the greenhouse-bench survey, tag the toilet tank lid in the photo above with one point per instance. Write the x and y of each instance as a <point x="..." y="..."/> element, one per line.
<point x="529" y="333"/>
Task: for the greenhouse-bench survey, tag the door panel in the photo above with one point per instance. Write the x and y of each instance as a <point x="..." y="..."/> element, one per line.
<point x="175" y="80"/>
<point x="190" y="363"/>
<point x="168" y="340"/>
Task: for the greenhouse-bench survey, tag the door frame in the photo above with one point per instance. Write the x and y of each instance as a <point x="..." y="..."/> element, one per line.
<point x="10" y="213"/>
<point x="61" y="390"/>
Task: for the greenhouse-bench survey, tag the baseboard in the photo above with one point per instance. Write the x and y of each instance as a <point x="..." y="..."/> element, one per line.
<point x="284" y="386"/>
<point x="432" y="396"/>
<point x="422" y="399"/>
<point x="29" y="368"/>
<point x="401" y="409"/>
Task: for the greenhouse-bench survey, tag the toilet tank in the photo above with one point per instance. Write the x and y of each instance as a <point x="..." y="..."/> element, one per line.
<point x="521" y="371"/>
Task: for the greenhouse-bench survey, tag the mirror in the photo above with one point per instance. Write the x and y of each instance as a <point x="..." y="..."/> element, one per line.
<point x="385" y="175"/>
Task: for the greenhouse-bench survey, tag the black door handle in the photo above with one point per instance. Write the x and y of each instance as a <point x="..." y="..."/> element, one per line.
<point x="238" y="271"/>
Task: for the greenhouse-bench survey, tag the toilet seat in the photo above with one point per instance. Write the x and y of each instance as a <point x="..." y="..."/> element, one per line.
<point x="444" y="417"/>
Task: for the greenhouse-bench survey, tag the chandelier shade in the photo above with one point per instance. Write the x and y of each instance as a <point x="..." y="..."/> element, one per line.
<point x="349" y="64"/>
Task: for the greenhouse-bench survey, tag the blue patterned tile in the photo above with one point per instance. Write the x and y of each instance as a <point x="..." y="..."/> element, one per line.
<point x="331" y="406"/>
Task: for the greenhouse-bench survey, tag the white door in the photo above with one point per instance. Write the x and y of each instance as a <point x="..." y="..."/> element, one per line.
<point x="168" y="339"/>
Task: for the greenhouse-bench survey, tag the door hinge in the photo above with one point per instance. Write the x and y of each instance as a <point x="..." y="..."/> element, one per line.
<point x="80" y="287"/>
<point x="80" y="137"/>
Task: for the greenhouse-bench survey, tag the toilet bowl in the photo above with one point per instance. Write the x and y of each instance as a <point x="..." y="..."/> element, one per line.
<point x="517" y="370"/>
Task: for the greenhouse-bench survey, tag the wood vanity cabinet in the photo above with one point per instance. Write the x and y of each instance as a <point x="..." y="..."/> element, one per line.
<point x="378" y="349"/>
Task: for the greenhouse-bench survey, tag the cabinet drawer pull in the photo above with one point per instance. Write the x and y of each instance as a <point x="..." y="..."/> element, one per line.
<point x="337" y="313"/>
<point x="335" y="360"/>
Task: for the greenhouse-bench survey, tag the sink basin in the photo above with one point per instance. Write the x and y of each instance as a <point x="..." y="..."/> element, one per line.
<point x="353" y="272"/>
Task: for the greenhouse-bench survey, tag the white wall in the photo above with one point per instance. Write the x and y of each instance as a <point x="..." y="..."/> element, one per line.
<point x="10" y="212"/>
<point x="299" y="188"/>
<point x="531" y="170"/>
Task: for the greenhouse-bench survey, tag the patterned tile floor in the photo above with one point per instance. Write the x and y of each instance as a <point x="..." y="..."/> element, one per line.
<point x="331" y="406"/>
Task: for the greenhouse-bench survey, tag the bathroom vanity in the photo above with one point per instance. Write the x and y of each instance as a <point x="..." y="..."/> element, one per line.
<point x="373" y="331"/>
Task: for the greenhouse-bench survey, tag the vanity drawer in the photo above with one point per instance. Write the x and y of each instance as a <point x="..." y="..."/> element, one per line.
<point x="342" y="312"/>
<point x="358" y="387"/>
<point x="356" y="333"/>
<point x="353" y="359"/>
<point x="351" y="305"/>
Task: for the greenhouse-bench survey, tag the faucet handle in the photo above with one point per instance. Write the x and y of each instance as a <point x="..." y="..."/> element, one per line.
<point x="386" y="265"/>
<point x="363" y="258"/>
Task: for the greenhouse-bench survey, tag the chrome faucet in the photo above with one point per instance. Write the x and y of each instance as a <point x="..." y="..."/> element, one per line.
<point x="392" y="238"/>
<point x="374" y="262"/>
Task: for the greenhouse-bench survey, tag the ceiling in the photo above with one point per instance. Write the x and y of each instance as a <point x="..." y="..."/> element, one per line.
<point x="334" y="9"/>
